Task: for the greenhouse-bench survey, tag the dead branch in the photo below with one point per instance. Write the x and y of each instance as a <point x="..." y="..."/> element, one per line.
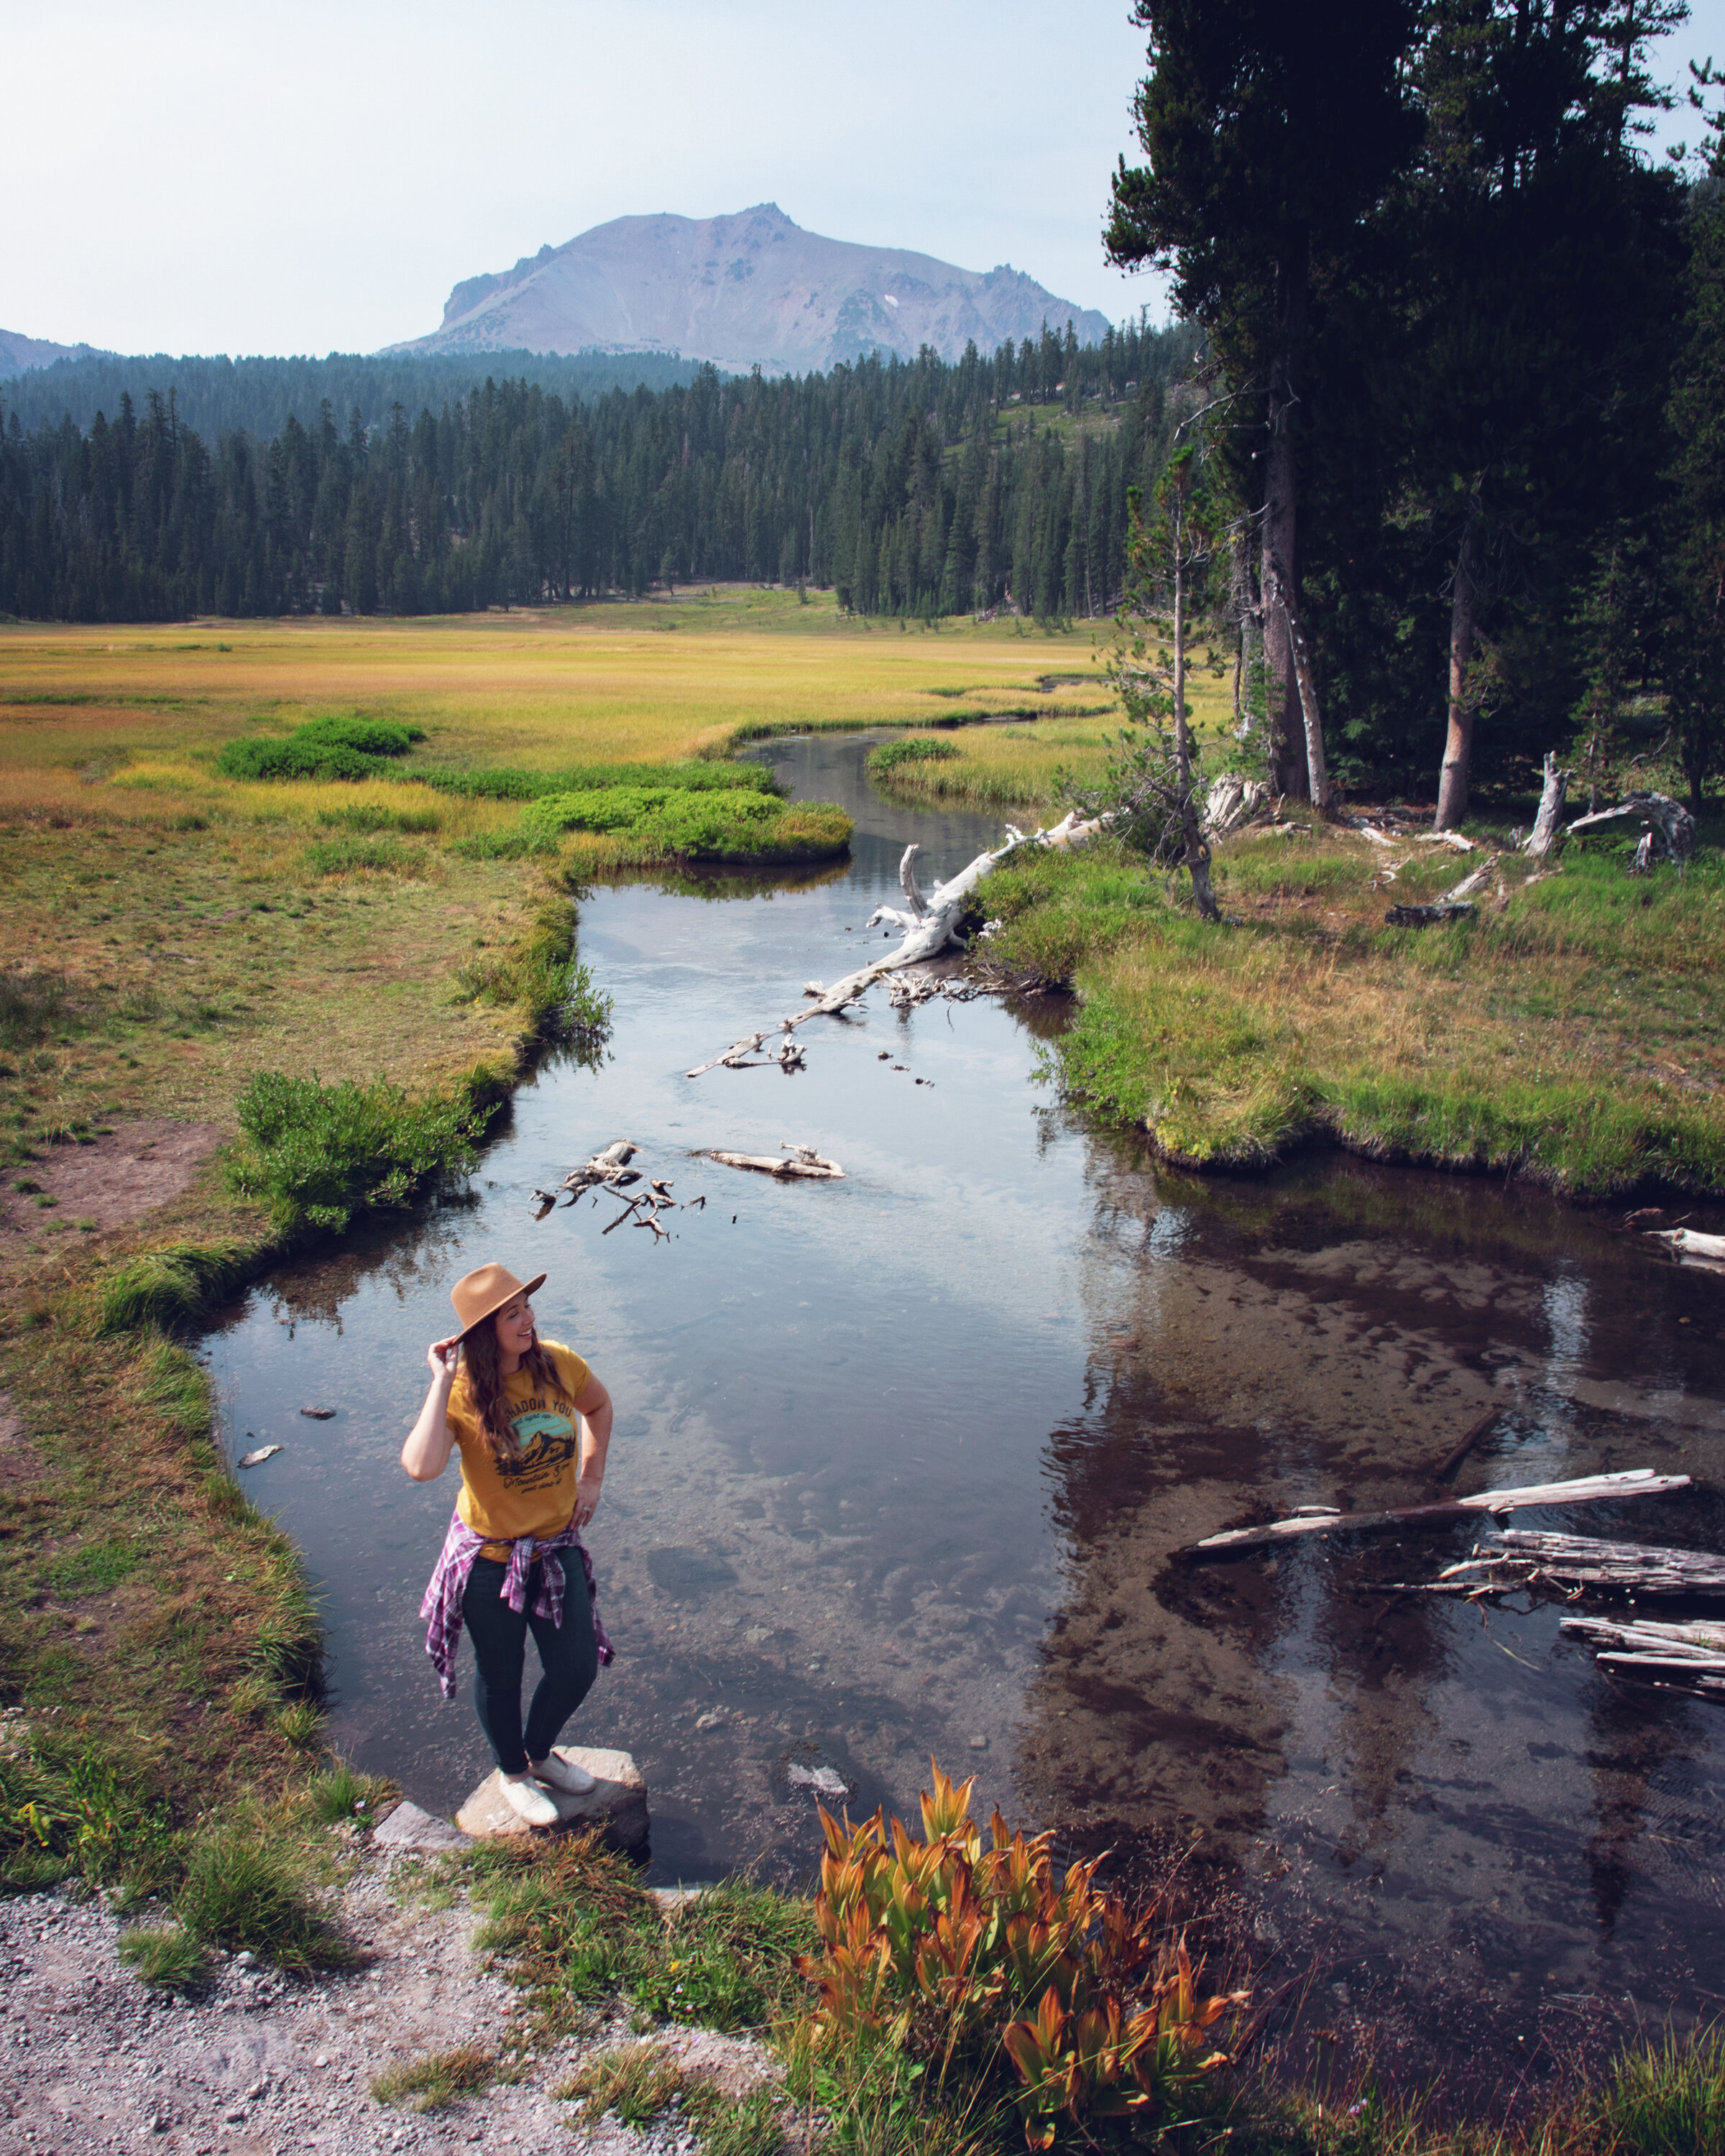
<point x="1631" y="1482"/>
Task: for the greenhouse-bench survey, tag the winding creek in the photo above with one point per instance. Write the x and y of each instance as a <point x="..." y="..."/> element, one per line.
<point x="901" y="1463"/>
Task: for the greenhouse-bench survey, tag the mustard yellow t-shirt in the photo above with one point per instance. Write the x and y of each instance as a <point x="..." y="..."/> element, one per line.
<point x="534" y="1492"/>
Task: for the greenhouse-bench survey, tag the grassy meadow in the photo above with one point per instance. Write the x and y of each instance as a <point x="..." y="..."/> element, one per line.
<point x="173" y="933"/>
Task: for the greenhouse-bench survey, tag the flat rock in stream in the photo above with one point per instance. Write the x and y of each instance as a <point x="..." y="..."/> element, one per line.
<point x="618" y="1805"/>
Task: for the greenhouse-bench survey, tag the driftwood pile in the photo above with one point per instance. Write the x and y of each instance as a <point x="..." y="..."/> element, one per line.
<point x="1691" y="1657"/>
<point x="928" y="925"/>
<point x="610" y="1172"/>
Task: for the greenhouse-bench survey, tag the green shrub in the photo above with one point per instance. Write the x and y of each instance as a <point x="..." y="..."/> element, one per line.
<point x="239" y="1891"/>
<point x="333" y="747"/>
<point x="317" y="1154"/>
<point x="167" y="1957"/>
<point x="694" y="826"/>
<point x="916" y="748"/>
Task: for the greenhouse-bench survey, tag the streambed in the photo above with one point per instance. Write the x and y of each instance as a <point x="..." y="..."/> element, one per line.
<point x="901" y="1463"/>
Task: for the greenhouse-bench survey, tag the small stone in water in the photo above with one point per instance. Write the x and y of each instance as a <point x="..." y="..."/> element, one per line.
<point x="319" y="1414"/>
<point x="978" y="1744"/>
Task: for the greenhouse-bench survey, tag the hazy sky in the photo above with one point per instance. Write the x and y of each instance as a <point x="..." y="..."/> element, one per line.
<point x="306" y="177"/>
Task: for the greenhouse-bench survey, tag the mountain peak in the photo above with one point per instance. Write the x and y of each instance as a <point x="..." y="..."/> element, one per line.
<point x="749" y="289"/>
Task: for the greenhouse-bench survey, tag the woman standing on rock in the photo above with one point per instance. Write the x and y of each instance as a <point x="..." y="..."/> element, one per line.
<point x="533" y="1424"/>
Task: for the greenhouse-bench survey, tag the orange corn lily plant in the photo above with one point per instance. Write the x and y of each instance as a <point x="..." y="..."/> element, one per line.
<point x="943" y="1945"/>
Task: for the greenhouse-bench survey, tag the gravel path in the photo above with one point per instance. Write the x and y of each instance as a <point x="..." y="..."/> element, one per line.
<point x="261" y="2065"/>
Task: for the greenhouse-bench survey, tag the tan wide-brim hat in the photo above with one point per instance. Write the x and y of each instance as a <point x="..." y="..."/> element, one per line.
<point x="477" y="1295"/>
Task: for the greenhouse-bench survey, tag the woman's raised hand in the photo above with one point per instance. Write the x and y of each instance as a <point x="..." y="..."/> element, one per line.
<point x="444" y="1355"/>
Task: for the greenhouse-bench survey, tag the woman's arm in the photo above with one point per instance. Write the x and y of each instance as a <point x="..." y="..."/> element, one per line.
<point x="594" y="1403"/>
<point x="426" y="1453"/>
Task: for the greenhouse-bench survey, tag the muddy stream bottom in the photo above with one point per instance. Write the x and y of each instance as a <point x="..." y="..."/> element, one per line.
<point x="903" y="1465"/>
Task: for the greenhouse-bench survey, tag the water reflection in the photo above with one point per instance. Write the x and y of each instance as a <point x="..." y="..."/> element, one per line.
<point x="1427" y="1793"/>
<point x="907" y="1463"/>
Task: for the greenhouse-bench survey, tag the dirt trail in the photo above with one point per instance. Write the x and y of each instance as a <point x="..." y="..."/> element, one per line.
<point x="112" y="1180"/>
<point x="261" y="2065"/>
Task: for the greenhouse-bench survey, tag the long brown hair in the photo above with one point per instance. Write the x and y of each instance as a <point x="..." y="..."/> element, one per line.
<point x="481" y="1361"/>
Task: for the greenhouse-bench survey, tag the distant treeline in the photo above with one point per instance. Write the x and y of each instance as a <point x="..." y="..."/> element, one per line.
<point x="257" y="396"/>
<point x="920" y="488"/>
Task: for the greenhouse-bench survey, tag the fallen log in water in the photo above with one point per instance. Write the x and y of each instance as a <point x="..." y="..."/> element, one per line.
<point x="799" y="1162"/>
<point x="1630" y="1482"/>
<point x="1687" y="1657"/>
<point x="929" y="925"/>
<point x="1580" y="1561"/>
<point x="1692" y="1642"/>
<point x="1688" y="1242"/>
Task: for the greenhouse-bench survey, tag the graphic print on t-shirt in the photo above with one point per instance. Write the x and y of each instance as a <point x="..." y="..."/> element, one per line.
<point x="545" y="1443"/>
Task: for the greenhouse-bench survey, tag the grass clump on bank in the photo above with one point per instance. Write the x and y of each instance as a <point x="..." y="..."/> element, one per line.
<point x="439" y="2078"/>
<point x="1572" y="1031"/>
<point x="732" y="824"/>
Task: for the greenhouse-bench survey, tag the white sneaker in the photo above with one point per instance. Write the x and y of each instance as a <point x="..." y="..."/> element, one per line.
<point x="528" y="1801"/>
<point x="558" y="1773"/>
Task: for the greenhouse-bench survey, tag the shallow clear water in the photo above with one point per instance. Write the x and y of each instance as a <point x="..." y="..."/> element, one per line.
<point x="902" y="1464"/>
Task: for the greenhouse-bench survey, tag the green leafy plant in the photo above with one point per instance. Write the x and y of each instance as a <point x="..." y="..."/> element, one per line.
<point x="947" y="1948"/>
<point x="317" y="1154"/>
<point x="66" y="1811"/>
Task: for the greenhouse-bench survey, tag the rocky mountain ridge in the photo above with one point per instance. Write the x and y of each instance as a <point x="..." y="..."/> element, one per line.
<point x="752" y="289"/>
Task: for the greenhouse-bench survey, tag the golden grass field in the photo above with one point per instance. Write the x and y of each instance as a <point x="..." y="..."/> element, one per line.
<point x="177" y="908"/>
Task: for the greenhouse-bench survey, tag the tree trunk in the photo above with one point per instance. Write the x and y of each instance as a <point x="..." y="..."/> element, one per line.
<point x="1458" y="749"/>
<point x="1288" y="769"/>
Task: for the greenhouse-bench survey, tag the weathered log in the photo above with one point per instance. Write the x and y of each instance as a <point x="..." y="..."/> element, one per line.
<point x="1543" y="836"/>
<point x="1689" y="1242"/>
<point x="1669" y="823"/>
<point x="1425" y="916"/>
<point x="1630" y="1482"/>
<point x="1583" y="1561"/>
<point x="1453" y="839"/>
<point x="1688" y="1640"/>
<point x="1476" y="1430"/>
<point x="800" y="1162"/>
<point x="930" y="924"/>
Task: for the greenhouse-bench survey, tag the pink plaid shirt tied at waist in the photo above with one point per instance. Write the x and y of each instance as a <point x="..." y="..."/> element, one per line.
<point x="442" y="1606"/>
